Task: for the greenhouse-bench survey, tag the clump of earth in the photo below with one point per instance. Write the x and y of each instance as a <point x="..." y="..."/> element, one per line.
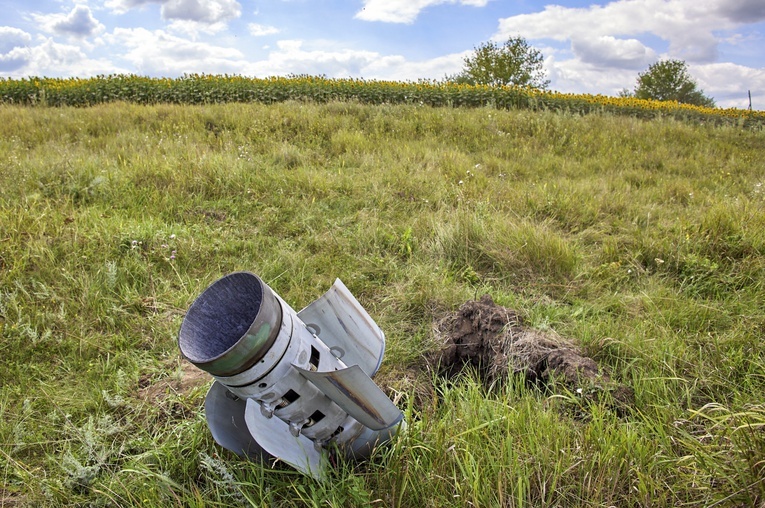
<point x="496" y="343"/>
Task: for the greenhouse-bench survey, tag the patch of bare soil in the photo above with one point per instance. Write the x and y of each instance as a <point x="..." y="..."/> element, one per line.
<point x="155" y="392"/>
<point x="494" y="340"/>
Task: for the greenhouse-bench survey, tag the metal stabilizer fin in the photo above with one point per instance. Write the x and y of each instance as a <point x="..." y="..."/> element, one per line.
<point x="274" y="436"/>
<point x="355" y="392"/>
<point x="340" y="321"/>
<point x="225" y="418"/>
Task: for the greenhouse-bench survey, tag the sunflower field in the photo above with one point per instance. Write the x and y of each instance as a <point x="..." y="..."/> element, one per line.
<point x="216" y="89"/>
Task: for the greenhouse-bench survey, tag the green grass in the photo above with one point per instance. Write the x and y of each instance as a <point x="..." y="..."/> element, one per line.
<point x="642" y="240"/>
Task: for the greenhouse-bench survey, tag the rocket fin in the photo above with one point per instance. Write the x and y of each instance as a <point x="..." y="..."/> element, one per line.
<point x="355" y="392"/>
<point x="340" y="321"/>
<point x="225" y="418"/>
<point x="275" y="437"/>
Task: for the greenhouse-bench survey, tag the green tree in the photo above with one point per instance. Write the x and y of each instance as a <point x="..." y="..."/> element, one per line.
<point x="512" y="63"/>
<point x="669" y="80"/>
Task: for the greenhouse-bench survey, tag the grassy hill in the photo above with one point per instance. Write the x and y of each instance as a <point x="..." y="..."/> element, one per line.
<point x="641" y="240"/>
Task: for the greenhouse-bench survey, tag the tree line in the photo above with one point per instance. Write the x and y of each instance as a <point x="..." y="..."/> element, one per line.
<point x="515" y="62"/>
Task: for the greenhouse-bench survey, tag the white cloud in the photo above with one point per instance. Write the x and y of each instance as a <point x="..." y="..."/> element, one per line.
<point x="200" y="11"/>
<point x="261" y="30"/>
<point x="157" y="53"/>
<point x="728" y="83"/>
<point x="160" y="53"/>
<point x="11" y="38"/>
<point x="742" y="11"/>
<point x="296" y="57"/>
<point x="50" y="54"/>
<point x="397" y="68"/>
<point x="608" y="51"/>
<point x="194" y="28"/>
<point x="13" y="48"/>
<point x="404" y="11"/>
<point x="13" y="60"/>
<point x="688" y="25"/>
<point x="122" y="6"/>
<point x="573" y="76"/>
<point x="49" y="58"/>
<point x="290" y="57"/>
<point x="743" y="39"/>
<point x="79" y="23"/>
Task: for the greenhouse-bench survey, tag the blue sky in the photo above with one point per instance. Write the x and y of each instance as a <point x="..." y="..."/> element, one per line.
<point x="596" y="46"/>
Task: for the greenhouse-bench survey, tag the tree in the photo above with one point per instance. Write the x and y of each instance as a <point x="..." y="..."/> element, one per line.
<point x="669" y="80"/>
<point x="512" y="63"/>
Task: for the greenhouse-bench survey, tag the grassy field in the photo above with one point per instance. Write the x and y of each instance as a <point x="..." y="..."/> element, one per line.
<point x="643" y="241"/>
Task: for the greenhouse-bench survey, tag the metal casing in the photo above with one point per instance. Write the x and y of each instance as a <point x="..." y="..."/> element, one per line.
<point x="297" y="381"/>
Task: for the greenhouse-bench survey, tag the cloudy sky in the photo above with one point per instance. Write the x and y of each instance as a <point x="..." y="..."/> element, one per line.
<point x="593" y="46"/>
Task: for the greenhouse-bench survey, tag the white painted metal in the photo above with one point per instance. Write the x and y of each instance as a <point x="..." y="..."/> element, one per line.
<point x="225" y="417"/>
<point x="357" y="395"/>
<point x="311" y="388"/>
<point x="346" y="328"/>
<point x="275" y="437"/>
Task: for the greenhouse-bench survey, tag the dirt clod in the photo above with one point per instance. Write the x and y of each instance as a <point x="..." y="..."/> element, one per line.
<point x="494" y="340"/>
<point x="474" y="336"/>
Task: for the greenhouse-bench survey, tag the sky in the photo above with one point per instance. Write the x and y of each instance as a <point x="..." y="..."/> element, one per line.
<point x="593" y="46"/>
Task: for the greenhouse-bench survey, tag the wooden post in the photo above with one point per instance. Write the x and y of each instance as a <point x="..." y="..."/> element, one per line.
<point x="750" y="99"/>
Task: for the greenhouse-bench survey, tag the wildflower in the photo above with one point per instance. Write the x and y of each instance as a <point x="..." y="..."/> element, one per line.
<point x="460" y="182"/>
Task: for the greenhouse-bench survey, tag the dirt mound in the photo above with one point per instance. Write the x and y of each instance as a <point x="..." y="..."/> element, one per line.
<point x="475" y="335"/>
<point x="494" y="340"/>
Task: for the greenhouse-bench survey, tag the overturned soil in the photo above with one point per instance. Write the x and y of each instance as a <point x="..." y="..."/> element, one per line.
<point x="494" y="341"/>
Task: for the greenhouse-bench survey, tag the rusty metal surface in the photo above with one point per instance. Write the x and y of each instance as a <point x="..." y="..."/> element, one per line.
<point x="340" y="321"/>
<point x="355" y="392"/>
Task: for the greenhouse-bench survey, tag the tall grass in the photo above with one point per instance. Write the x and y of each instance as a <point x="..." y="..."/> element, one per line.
<point x="643" y="240"/>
